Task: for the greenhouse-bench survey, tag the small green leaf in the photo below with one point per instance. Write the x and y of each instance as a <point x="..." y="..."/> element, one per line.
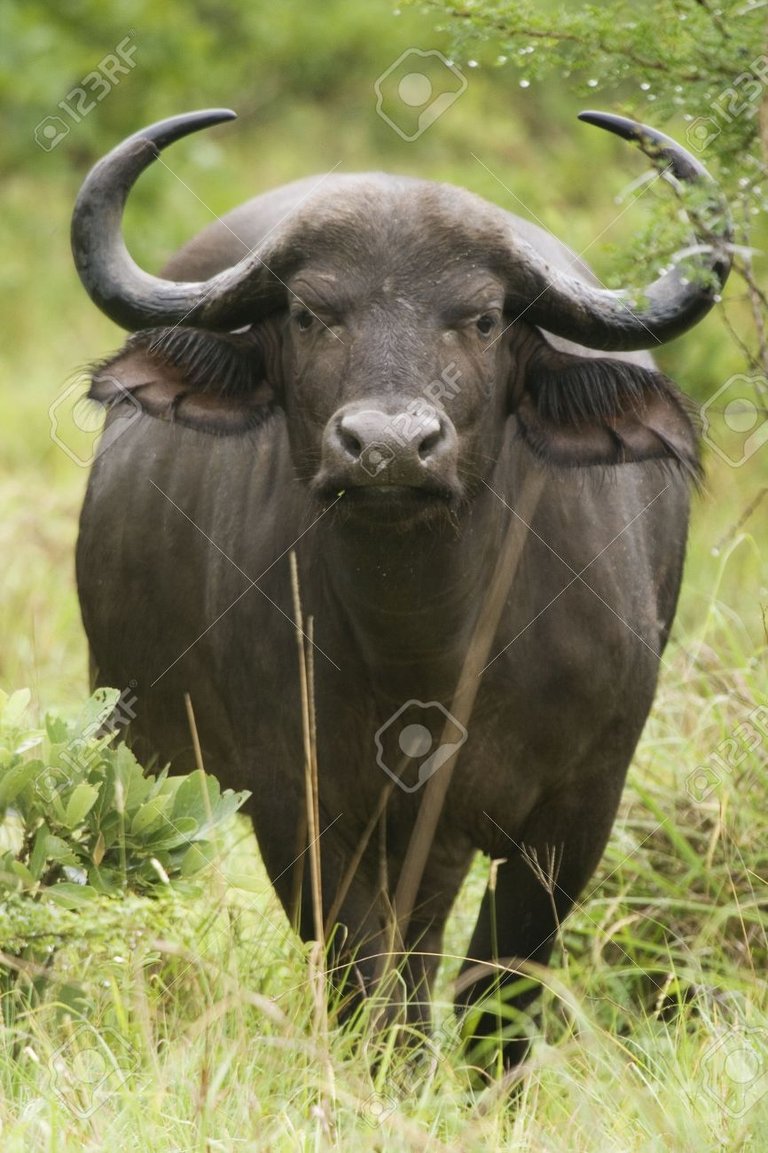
<point x="150" y="814"/>
<point x="97" y="855"/>
<point x="180" y="831"/>
<point x="227" y="805"/>
<point x="71" y="896"/>
<point x="20" y="870"/>
<point x="129" y="776"/>
<point x="107" y="881"/>
<point x="13" y="781"/>
<point x="56" y="730"/>
<point x="195" y="859"/>
<point x="57" y="849"/>
<point x="39" y="854"/>
<point x="194" y="798"/>
<point x="80" y="803"/>
<point x="11" y="833"/>
<point x="12" y="709"/>
<point x="96" y="711"/>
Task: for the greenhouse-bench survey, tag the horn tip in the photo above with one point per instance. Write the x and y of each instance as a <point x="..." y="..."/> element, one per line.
<point x="174" y="128"/>
<point x="620" y="125"/>
<point x="222" y="113"/>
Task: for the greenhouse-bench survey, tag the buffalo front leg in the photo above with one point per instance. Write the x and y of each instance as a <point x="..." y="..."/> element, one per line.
<point x="530" y="895"/>
<point x="369" y="963"/>
<point x="357" y="917"/>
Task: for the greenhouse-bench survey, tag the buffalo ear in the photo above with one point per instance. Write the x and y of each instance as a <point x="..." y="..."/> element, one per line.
<point x="577" y="410"/>
<point x="210" y="381"/>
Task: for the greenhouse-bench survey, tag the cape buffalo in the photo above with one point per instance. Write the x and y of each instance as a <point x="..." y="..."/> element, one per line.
<point x="367" y="371"/>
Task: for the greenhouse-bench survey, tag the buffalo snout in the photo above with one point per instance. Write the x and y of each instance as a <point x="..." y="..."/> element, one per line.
<point x="412" y="447"/>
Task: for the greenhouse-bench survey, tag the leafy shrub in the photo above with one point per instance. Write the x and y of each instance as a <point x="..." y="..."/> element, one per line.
<point x="80" y="820"/>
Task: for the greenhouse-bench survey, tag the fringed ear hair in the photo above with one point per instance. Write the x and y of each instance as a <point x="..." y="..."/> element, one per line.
<point x="577" y="411"/>
<point x="210" y="381"/>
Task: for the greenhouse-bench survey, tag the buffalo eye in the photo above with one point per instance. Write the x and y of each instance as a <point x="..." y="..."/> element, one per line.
<point x="303" y="319"/>
<point x="485" y="324"/>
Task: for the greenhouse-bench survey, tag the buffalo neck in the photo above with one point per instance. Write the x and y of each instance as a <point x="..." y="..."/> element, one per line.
<point x="408" y="598"/>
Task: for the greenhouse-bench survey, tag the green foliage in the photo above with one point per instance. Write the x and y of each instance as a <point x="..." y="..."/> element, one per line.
<point x="254" y="57"/>
<point x="80" y="818"/>
<point x="702" y="64"/>
<point x="665" y="58"/>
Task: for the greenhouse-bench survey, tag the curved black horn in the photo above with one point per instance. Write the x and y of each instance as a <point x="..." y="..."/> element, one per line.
<point x="131" y="297"/>
<point x="622" y="320"/>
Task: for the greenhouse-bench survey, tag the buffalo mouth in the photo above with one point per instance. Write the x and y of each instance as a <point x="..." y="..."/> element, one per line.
<point x="388" y="501"/>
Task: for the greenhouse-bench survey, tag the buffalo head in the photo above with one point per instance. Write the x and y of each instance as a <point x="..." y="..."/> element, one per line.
<point x="397" y="323"/>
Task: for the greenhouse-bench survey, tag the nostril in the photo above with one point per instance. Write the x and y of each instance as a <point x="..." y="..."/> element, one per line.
<point x="430" y="443"/>
<point x="350" y="443"/>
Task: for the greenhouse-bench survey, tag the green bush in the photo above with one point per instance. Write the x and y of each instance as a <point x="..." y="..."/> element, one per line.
<point x="81" y="820"/>
<point x="701" y="68"/>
